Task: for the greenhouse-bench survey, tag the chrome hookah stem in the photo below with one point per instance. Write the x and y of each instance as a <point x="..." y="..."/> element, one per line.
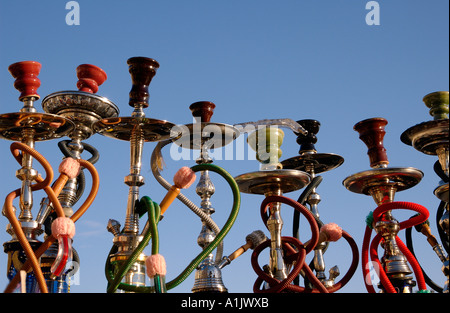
<point x="134" y="180"/>
<point x="275" y="225"/>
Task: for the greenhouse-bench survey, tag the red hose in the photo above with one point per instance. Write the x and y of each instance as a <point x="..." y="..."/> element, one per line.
<point x="377" y="215"/>
<point x="365" y="260"/>
<point x="297" y="256"/>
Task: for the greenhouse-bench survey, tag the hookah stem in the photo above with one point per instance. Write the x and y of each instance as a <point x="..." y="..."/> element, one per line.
<point x="418" y="219"/>
<point x="302" y="199"/>
<point x="374" y="256"/>
<point x="50" y="239"/>
<point x="219" y="237"/>
<point x="41" y="183"/>
<point x="296" y="216"/>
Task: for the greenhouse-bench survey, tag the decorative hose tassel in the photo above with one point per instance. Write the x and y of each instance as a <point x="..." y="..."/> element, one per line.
<point x="156" y="270"/>
<point x="182" y="179"/>
<point x="330" y="232"/>
<point x="63" y="228"/>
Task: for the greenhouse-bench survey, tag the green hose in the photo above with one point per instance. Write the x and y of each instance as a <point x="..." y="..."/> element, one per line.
<point x="195" y="262"/>
<point x="154" y="213"/>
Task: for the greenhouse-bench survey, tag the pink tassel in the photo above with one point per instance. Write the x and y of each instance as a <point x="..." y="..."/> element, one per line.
<point x="333" y="231"/>
<point x="184" y="177"/>
<point x="156" y="265"/>
<point x="70" y="167"/>
<point x="63" y="226"/>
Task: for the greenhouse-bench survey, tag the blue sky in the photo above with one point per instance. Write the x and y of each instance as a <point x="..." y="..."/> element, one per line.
<point x="255" y="60"/>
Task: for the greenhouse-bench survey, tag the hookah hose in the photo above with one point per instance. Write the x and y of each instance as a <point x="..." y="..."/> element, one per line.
<point x="32" y="257"/>
<point x="81" y="180"/>
<point x="156" y="164"/>
<point x="428" y="280"/>
<point x="115" y="283"/>
<point x="299" y="254"/>
<point x="154" y="214"/>
<point x="377" y="215"/>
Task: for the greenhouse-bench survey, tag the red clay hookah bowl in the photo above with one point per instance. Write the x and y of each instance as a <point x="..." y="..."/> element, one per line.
<point x="90" y="77"/>
<point x="26" y="75"/>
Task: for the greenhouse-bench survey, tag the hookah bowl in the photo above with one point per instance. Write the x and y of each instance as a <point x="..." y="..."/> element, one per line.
<point x="28" y="126"/>
<point x="272" y="180"/>
<point x="431" y="138"/>
<point x="135" y="129"/>
<point x="204" y="135"/>
<point x="382" y="182"/>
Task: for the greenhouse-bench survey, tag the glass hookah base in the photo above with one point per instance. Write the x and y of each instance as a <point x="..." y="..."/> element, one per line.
<point x="44" y="126"/>
<point x="264" y="182"/>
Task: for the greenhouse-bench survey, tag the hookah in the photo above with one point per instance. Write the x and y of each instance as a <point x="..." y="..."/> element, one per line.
<point x="273" y="181"/>
<point x="431" y="138"/>
<point x="382" y="182"/>
<point x="314" y="163"/>
<point x="83" y="107"/>
<point x="135" y="129"/>
<point x="202" y="135"/>
<point x="25" y="128"/>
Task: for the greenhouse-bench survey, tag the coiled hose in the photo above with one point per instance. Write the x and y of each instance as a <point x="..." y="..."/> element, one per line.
<point x="33" y="256"/>
<point x="297" y="255"/>
<point x="372" y="247"/>
<point x="115" y="284"/>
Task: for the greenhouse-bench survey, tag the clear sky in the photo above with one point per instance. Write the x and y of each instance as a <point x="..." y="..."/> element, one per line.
<point x="255" y="60"/>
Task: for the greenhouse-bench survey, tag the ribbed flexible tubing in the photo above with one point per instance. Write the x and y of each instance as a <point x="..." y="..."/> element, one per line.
<point x="50" y="239"/>
<point x="377" y="214"/>
<point x="199" y="212"/>
<point x="207" y="250"/>
<point x="41" y="184"/>
<point x="298" y="267"/>
<point x="153" y="211"/>
<point x="301" y="254"/>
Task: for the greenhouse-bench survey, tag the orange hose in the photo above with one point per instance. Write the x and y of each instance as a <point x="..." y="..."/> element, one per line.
<point x="49" y="241"/>
<point x="42" y="183"/>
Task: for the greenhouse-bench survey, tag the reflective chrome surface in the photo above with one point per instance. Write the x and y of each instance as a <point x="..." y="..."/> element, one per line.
<point x="45" y="126"/>
<point x="83" y="108"/>
<point x="123" y="127"/>
<point x="427" y="137"/>
<point x="262" y="182"/>
<point x="317" y="162"/>
<point x="206" y="135"/>
<point x="399" y="178"/>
